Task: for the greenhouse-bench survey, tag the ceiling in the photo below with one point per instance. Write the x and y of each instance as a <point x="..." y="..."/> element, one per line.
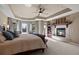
<point x="25" y="12"/>
<point x="30" y="11"/>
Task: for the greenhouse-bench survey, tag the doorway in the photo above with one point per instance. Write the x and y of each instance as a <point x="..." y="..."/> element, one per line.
<point x="24" y="28"/>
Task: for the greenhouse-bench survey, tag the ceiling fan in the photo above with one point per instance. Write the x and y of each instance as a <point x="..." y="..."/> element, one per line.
<point x="40" y="10"/>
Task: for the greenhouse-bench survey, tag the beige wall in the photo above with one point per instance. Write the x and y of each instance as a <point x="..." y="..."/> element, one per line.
<point x="74" y="28"/>
<point x="29" y="23"/>
<point x="72" y="32"/>
<point x="3" y="19"/>
<point x="41" y="27"/>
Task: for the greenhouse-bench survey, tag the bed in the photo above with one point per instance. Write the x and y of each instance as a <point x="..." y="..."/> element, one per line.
<point x="22" y="43"/>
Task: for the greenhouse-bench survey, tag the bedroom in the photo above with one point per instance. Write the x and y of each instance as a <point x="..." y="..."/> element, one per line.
<point x="53" y="27"/>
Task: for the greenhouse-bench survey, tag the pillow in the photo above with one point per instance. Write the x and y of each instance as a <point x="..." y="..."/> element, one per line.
<point x="2" y="38"/>
<point x="8" y="35"/>
<point x="14" y="34"/>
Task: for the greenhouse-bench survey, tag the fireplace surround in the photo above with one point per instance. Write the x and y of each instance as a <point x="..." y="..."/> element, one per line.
<point x="61" y="32"/>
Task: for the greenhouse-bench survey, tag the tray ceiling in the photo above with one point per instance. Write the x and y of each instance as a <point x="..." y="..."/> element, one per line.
<point x="30" y="12"/>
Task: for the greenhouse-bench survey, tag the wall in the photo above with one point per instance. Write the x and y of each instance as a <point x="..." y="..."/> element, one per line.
<point x="74" y="28"/>
<point x="6" y="10"/>
<point x="12" y="24"/>
<point x="72" y="32"/>
<point x="3" y="19"/>
<point x="39" y="26"/>
<point x="29" y="23"/>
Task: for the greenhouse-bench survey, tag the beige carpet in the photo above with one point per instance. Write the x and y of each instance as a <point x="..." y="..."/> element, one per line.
<point x="59" y="48"/>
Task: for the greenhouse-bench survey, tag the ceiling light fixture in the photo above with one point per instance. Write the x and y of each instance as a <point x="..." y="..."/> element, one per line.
<point x="40" y="10"/>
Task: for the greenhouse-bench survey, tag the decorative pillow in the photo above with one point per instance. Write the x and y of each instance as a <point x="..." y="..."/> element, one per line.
<point x="14" y="34"/>
<point x="2" y="38"/>
<point x="8" y="35"/>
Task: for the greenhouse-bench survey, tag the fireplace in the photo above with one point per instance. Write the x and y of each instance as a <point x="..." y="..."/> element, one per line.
<point x="61" y="32"/>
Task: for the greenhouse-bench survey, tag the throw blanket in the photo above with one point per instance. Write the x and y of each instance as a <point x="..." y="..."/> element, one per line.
<point x="41" y="36"/>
